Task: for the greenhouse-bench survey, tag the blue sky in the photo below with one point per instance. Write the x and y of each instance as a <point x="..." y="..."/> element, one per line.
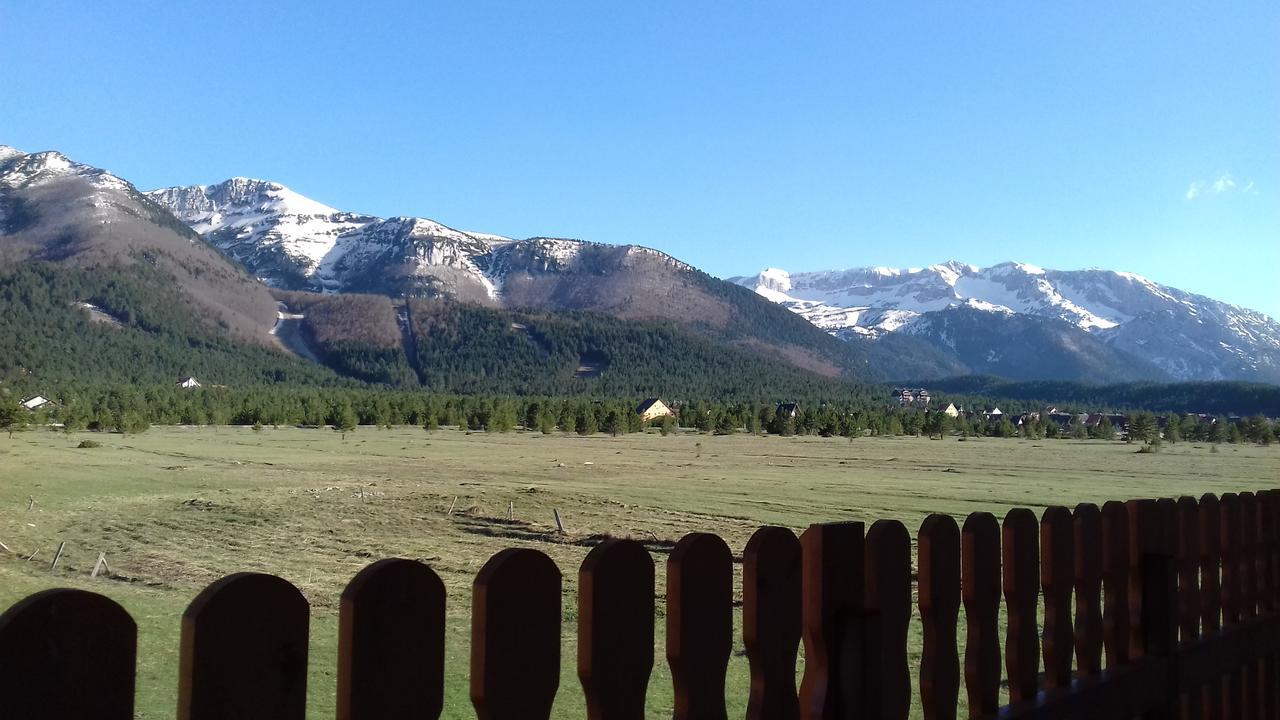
<point x="1142" y="136"/>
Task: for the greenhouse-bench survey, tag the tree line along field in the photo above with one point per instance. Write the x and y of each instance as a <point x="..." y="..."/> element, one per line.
<point x="178" y="507"/>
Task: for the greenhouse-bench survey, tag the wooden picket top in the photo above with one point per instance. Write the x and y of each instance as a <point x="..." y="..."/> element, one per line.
<point x="938" y="549"/>
<point x="615" y="629"/>
<point x="1181" y="597"/>
<point x="243" y="652"/>
<point x="1021" y="586"/>
<point x="1115" y="583"/>
<point x="980" y="587"/>
<point x="699" y="625"/>
<point x="886" y="689"/>
<point x="771" y="566"/>
<point x="1057" y="575"/>
<point x="67" y="654"/>
<point x="831" y="613"/>
<point x="1087" y="567"/>
<point x="391" y="622"/>
<point x="515" y="636"/>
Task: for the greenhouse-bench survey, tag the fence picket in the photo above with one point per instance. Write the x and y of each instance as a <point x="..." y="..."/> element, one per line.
<point x="887" y="603"/>
<point x="67" y="654"/>
<point x="1153" y="620"/>
<point x="1211" y="590"/>
<point x="391" y="643"/>
<point x="980" y="588"/>
<point x="699" y="625"/>
<point x="1021" y="585"/>
<point x="515" y="636"/>
<point x="938" y="550"/>
<point x="1188" y="561"/>
<point x="1057" y="570"/>
<point x="771" y="576"/>
<point x="1269" y="667"/>
<point x="615" y="629"/>
<point x="1087" y="541"/>
<point x="1248" y="568"/>
<point x="831" y="610"/>
<point x="244" y="651"/>
<point x="1230" y="538"/>
<point x="1115" y="582"/>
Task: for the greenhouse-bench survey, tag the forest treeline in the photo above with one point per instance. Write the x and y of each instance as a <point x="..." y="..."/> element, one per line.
<point x="133" y="410"/>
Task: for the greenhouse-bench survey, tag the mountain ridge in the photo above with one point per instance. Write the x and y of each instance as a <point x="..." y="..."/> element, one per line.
<point x="1181" y="335"/>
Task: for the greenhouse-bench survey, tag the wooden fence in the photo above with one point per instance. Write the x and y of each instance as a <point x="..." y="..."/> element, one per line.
<point x="1151" y="609"/>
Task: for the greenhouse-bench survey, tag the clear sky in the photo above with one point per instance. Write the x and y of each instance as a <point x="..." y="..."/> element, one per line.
<point x="1141" y="136"/>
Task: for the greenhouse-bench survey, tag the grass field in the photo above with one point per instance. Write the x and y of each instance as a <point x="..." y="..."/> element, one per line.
<point x="176" y="508"/>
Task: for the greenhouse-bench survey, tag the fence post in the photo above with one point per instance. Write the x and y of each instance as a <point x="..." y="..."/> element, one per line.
<point x="391" y="643"/>
<point x="515" y="636"/>
<point x="831" y="618"/>
<point x="887" y="602"/>
<point x="244" y="651"/>
<point x="1152" y="596"/>
<point x="1020" y="582"/>
<point x="1249" y="685"/>
<point x="980" y="565"/>
<point x="699" y="625"/>
<point x="615" y="629"/>
<point x="67" y="654"/>
<point x="938" y="548"/>
<point x="1057" y="570"/>
<point x="771" y="567"/>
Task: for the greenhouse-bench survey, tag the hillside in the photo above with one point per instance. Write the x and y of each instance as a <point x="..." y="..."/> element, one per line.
<point x="454" y="347"/>
<point x="293" y="242"/>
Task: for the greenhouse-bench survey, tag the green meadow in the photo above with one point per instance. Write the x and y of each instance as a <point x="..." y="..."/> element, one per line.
<point x="176" y="508"/>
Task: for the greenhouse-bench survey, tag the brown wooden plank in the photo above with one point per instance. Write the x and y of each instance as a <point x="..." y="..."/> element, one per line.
<point x="1188" y="568"/>
<point x="699" y="625"/>
<point x="1248" y="567"/>
<point x="1020" y="553"/>
<point x="67" y="654"/>
<point x="1211" y="591"/>
<point x="515" y="636"/>
<point x="1115" y="582"/>
<point x="1153" y="618"/>
<point x="887" y="602"/>
<point x="1231" y="537"/>
<point x="1266" y="667"/>
<point x="831" y="610"/>
<point x="1087" y="539"/>
<point x="1188" y="563"/>
<point x="771" y="576"/>
<point x="938" y="550"/>
<point x="615" y="629"/>
<point x="391" y="643"/>
<point x="1057" y="571"/>
<point x="244" y="651"/>
<point x="980" y="568"/>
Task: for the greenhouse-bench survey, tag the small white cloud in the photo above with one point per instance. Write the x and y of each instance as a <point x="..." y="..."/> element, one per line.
<point x="1223" y="184"/>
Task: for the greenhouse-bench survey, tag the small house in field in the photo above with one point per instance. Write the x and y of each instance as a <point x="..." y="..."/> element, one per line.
<point x="188" y="382"/>
<point x="652" y="409"/>
<point x="36" y="402"/>
<point x="788" y="411"/>
<point x="951" y="410"/>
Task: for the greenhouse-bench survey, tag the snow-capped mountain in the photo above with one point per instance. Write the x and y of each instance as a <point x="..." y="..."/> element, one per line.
<point x="291" y="241"/>
<point x="1182" y="335"/>
<point x="56" y="210"/>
